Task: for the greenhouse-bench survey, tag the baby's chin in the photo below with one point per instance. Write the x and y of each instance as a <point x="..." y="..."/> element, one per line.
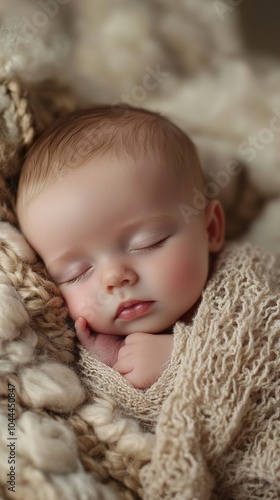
<point x="151" y="327"/>
<point x="122" y="333"/>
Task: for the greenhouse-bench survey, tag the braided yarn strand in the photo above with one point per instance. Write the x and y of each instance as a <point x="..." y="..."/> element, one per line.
<point x="17" y="130"/>
<point x="17" y="133"/>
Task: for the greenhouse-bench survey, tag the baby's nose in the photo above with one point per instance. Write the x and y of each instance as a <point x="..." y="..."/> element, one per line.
<point x="115" y="278"/>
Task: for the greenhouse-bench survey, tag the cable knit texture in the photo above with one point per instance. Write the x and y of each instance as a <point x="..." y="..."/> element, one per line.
<point x="215" y="408"/>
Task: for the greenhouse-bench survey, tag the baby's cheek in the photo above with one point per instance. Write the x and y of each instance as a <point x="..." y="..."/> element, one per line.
<point x="181" y="274"/>
<point x="79" y="305"/>
<point x="186" y="275"/>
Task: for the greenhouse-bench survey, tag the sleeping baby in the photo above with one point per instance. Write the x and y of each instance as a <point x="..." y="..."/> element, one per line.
<point x="99" y="201"/>
<point x="178" y="327"/>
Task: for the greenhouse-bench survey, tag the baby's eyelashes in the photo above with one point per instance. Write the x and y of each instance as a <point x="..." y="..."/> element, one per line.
<point x="158" y="244"/>
<point x="78" y="278"/>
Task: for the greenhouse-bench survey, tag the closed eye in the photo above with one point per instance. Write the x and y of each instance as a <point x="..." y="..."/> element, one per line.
<point x="151" y="247"/>
<point x="77" y="278"/>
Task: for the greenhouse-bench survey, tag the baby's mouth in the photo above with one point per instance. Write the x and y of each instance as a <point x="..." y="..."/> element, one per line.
<point x="132" y="309"/>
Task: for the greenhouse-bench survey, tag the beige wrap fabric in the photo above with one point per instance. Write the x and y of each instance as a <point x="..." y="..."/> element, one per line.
<point x="215" y="409"/>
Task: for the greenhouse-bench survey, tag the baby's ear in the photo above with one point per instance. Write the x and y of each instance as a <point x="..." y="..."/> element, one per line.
<point x="215" y="225"/>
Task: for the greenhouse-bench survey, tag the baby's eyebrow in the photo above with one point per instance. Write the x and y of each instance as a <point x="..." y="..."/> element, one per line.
<point x="152" y="218"/>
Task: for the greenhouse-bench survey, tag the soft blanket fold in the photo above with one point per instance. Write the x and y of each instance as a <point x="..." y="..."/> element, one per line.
<point x="215" y="409"/>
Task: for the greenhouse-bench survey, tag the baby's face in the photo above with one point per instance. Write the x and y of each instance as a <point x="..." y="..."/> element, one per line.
<point x="111" y="231"/>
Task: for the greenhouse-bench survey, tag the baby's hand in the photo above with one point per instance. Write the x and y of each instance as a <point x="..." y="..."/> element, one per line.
<point x="143" y="357"/>
<point x="102" y="346"/>
<point x="83" y="333"/>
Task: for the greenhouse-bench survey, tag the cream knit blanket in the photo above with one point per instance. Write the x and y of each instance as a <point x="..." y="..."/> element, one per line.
<point x="215" y="409"/>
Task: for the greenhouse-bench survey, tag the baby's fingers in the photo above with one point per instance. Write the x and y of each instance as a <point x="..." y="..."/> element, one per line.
<point x="82" y="330"/>
<point x="124" y="365"/>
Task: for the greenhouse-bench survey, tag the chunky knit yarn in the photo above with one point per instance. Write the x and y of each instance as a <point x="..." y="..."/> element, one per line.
<point x="66" y="447"/>
<point x="215" y="408"/>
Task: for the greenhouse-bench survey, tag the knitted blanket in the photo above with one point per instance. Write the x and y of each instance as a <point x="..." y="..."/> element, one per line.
<point x="215" y="409"/>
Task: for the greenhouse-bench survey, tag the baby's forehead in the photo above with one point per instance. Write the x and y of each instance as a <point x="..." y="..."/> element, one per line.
<point x="142" y="164"/>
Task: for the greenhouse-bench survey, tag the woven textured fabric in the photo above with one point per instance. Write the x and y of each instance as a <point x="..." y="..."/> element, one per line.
<point x="215" y="408"/>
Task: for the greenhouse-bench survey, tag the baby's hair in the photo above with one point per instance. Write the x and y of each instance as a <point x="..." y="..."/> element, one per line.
<point x="85" y="134"/>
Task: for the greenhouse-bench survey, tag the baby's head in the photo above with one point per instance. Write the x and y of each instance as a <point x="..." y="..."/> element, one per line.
<point x="100" y="199"/>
